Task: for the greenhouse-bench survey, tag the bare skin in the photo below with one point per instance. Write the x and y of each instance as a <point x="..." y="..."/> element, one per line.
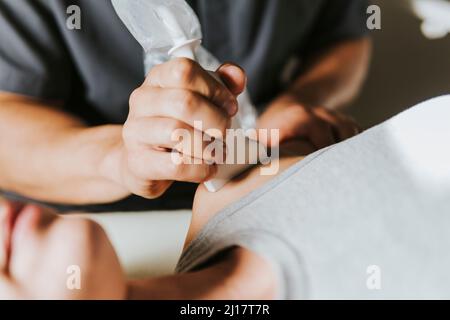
<point x="309" y="108"/>
<point x="59" y="159"/>
<point x="34" y="236"/>
<point x="49" y="155"/>
<point x="238" y="273"/>
<point x="52" y="156"/>
<point x="37" y="247"/>
<point x="86" y="157"/>
<point x="207" y="204"/>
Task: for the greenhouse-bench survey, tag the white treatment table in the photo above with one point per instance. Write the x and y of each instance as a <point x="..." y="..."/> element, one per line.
<point x="148" y="244"/>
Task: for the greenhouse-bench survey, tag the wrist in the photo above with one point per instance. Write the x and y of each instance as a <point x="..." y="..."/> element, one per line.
<point x="101" y="149"/>
<point x="110" y="162"/>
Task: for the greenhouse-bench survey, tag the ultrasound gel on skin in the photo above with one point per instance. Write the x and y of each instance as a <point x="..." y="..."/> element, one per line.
<point x="169" y="29"/>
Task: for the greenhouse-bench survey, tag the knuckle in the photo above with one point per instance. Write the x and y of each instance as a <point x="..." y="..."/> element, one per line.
<point x="175" y="126"/>
<point x="185" y="70"/>
<point x="140" y="99"/>
<point x="219" y="93"/>
<point x="152" y="76"/>
<point x="135" y="97"/>
<point x="128" y="131"/>
<point x="187" y="102"/>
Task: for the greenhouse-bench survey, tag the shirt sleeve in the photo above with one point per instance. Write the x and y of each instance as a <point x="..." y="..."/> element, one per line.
<point x="339" y="20"/>
<point x="33" y="58"/>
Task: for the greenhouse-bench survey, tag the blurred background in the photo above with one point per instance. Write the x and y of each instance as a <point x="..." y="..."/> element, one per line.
<point x="407" y="67"/>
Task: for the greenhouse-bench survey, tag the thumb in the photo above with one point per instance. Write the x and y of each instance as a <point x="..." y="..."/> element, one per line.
<point x="234" y="77"/>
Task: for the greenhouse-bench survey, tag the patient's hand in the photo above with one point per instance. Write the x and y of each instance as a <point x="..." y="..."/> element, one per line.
<point x="207" y="204"/>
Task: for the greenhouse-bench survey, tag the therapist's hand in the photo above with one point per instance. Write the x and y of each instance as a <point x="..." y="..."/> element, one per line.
<point x="176" y="95"/>
<point x="320" y="126"/>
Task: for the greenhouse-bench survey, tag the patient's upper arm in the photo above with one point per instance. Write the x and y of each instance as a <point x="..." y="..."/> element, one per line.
<point x="207" y="204"/>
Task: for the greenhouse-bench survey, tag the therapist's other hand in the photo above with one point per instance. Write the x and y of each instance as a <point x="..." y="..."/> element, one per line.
<point x="179" y="94"/>
<point x="320" y="126"/>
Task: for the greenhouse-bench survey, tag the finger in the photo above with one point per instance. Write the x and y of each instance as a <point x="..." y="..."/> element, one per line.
<point x="170" y="166"/>
<point x="187" y="74"/>
<point x="187" y="169"/>
<point x="347" y="129"/>
<point x="150" y="189"/>
<point x="343" y="125"/>
<point x="182" y="105"/>
<point x="167" y="133"/>
<point x="291" y="123"/>
<point x="234" y="77"/>
<point x="321" y="134"/>
<point x="355" y="125"/>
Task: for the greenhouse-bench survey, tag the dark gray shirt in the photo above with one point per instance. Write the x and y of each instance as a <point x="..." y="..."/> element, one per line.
<point x="94" y="70"/>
